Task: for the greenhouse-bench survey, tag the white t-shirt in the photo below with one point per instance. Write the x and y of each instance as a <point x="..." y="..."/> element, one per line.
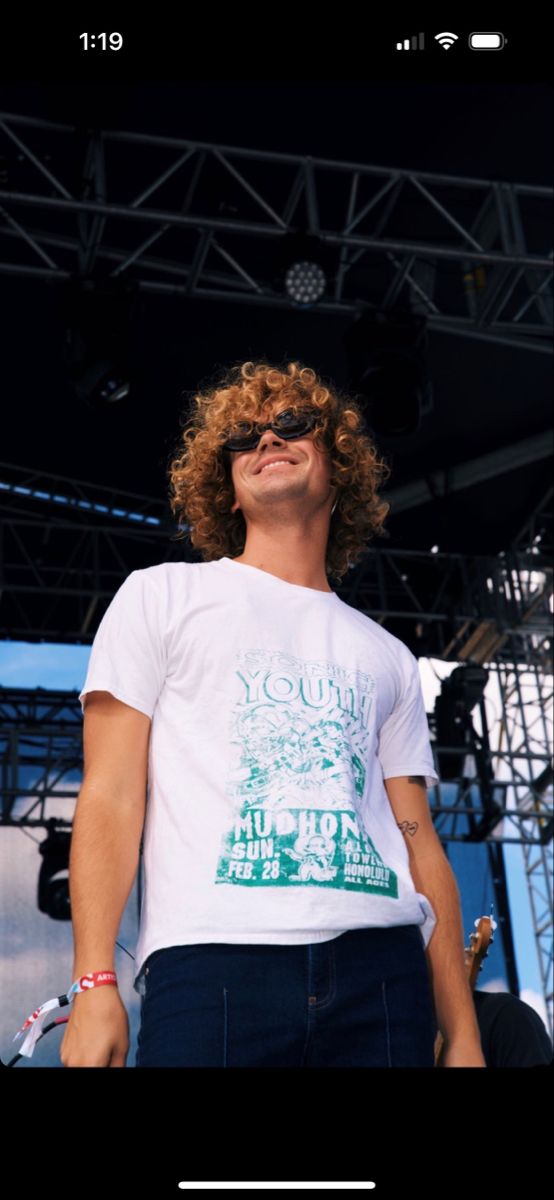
<point x="277" y="712"/>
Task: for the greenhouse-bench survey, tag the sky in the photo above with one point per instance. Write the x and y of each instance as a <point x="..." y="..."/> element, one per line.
<point x="36" y="952"/>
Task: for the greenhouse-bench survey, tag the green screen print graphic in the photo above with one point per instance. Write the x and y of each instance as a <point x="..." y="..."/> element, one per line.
<point x="299" y="743"/>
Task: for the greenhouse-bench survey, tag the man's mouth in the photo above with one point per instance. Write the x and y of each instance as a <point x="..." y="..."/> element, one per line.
<point x="275" y="466"/>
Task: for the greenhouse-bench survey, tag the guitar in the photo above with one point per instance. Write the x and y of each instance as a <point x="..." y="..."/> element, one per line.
<point x="474" y="955"/>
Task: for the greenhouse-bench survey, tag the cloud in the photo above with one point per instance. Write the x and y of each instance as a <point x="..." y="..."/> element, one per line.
<point x="47" y="665"/>
<point x="536" y="1001"/>
<point x="36" y="955"/>
<point x="495" y="985"/>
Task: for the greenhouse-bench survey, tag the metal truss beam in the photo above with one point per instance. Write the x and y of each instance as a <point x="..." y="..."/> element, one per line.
<point x="463" y="607"/>
<point x="221" y="213"/>
<point x="477" y="470"/>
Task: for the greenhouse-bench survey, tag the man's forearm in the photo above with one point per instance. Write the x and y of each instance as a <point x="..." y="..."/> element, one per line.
<point x="102" y="866"/>
<point x="454" y="1007"/>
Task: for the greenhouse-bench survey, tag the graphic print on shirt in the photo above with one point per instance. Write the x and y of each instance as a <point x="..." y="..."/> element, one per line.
<point x="299" y="741"/>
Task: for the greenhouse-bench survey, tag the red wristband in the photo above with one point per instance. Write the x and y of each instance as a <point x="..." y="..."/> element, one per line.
<point x="34" y="1023"/>
<point x="95" y="979"/>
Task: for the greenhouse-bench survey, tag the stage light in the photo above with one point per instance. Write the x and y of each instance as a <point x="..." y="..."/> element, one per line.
<point x="305" y="283"/>
<point x="459" y="694"/>
<point x="387" y="368"/>
<point x="53" y="880"/>
<point x="304" y="267"/>
<point x="97" y="330"/>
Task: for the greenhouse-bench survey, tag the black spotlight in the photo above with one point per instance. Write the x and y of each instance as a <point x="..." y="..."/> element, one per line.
<point x="305" y="264"/>
<point x="459" y="694"/>
<point x="387" y="366"/>
<point x="53" y="880"/>
<point x="97" y="330"/>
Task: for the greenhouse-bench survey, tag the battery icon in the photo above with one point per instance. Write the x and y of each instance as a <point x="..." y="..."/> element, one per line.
<point x="486" y="41"/>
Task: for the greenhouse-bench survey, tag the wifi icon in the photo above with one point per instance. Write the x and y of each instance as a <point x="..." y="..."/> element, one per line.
<point x="446" y="40"/>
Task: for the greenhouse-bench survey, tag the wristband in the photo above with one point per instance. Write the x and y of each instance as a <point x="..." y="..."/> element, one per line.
<point x="35" y="1022"/>
<point x="95" y="979"/>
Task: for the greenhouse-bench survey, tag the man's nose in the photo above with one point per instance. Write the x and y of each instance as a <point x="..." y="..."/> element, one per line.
<point x="268" y="437"/>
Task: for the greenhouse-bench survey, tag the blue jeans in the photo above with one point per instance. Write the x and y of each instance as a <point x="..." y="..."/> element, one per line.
<point x="362" y="999"/>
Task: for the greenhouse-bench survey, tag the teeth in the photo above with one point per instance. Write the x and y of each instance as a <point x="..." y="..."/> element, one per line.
<point x="276" y="464"/>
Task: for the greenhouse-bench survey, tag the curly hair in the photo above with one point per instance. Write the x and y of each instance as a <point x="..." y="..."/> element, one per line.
<point x="201" y="488"/>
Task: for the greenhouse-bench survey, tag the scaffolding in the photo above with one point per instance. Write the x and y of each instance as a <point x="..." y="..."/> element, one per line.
<point x="527" y="691"/>
<point x="219" y="218"/>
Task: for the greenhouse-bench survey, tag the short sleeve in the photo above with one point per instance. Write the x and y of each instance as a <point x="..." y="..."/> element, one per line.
<point x="517" y="1035"/>
<point x="404" y="742"/>
<point x="128" y="655"/>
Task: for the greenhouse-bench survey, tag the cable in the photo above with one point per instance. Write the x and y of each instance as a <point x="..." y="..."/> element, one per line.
<point x="52" y="1025"/>
<point x="126" y="951"/>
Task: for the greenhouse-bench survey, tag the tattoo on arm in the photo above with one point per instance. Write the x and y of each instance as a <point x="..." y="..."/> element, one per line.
<point x="409" y="827"/>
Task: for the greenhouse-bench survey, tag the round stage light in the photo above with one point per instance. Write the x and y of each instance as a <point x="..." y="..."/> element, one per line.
<point x="305" y="282"/>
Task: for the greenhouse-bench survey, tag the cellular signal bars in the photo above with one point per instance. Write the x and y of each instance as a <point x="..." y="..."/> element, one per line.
<point x="405" y="45"/>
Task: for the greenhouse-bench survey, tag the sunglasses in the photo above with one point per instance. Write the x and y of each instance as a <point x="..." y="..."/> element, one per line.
<point x="288" y="424"/>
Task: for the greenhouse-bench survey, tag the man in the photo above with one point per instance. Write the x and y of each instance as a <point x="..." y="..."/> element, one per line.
<point x="298" y="908"/>
<point x="512" y="1033"/>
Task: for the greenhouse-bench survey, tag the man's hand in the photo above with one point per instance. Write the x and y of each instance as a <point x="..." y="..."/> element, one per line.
<point x="97" y="1033"/>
